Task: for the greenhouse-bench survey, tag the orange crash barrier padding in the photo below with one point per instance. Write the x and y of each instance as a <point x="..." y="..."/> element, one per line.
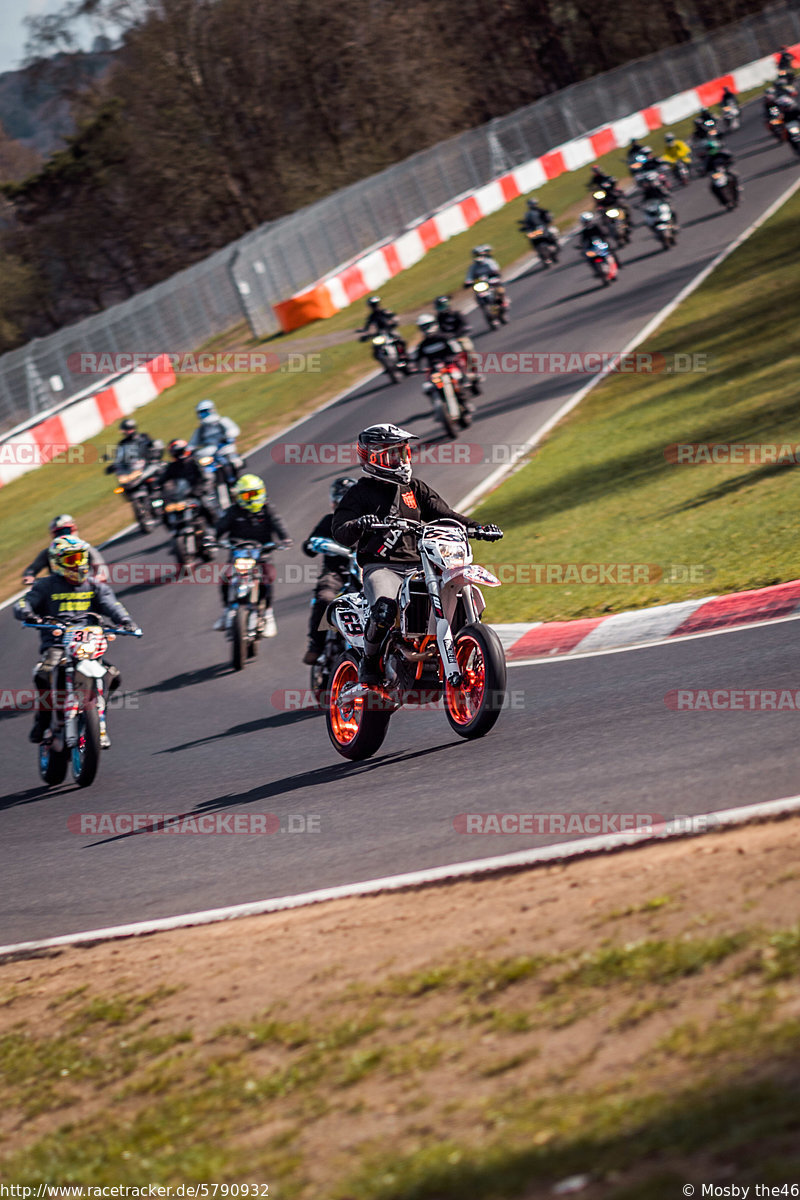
<point x="301" y="310"/>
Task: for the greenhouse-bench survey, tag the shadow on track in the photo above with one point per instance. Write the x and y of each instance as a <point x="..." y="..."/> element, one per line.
<point x="338" y="772"/>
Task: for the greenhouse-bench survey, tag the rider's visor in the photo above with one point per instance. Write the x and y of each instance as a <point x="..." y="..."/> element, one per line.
<point x="393" y="456"/>
<point x="74" y="558"/>
<point x="251" y="494"/>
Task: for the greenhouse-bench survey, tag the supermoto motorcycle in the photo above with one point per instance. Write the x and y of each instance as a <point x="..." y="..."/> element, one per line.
<point x="335" y="644"/>
<point x="438" y="648"/>
<point x="659" y="217"/>
<point x="602" y="260"/>
<point x="793" y="135"/>
<point x="184" y="519"/>
<point x="138" y="483"/>
<point x="445" y="386"/>
<point x="386" y="351"/>
<point x="616" y="218"/>
<point x="544" y="241"/>
<point x="775" y="124"/>
<point x="244" y="614"/>
<point x="725" y="187"/>
<point x="680" y="171"/>
<point x="78" y="722"/>
<point x="223" y="467"/>
<point x="491" y="302"/>
<point x="730" y="117"/>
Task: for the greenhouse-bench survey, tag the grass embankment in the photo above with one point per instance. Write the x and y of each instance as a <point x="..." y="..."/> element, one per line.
<point x="601" y="488"/>
<point x="262" y="404"/>
<point x="615" y="1018"/>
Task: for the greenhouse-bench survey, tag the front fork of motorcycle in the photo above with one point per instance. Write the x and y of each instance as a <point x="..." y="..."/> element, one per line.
<point x="444" y="634"/>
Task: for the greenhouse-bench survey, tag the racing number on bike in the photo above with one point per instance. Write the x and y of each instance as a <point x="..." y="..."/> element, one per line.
<point x="351" y="623"/>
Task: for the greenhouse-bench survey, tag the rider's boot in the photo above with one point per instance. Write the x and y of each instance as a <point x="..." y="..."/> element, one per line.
<point x="381" y="619"/>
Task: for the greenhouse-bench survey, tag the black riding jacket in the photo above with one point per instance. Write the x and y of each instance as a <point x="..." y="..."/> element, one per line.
<point x="435" y="348"/>
<point x="188" y="469"/>
<point x="414" y="501"/>
<point x="238" y="524"/>
<point x="383" y="319"/>
<point x="452" y="323"/>
<point x="54" y="596"/>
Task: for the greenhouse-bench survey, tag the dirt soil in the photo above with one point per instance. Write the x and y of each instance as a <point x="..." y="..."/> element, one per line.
<point x="442" y="1051"/>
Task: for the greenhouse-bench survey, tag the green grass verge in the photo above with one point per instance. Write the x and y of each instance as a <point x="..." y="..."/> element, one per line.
<point x="262" y="404"/>
<point x="601" y="489"/>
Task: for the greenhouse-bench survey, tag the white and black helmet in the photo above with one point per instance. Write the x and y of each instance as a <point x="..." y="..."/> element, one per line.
<point x="384" y="452"/>
<point x="425" y="322"/>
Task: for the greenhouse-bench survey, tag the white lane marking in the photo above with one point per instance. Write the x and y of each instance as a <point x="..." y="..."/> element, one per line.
<point x="496" y="476"/>
<point x="413" y="879"/>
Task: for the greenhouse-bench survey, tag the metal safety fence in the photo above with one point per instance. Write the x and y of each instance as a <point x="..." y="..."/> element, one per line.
<point x="247" y="277"/>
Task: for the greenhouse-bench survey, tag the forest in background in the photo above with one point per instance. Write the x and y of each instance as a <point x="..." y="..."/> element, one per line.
<point x="214" y="116"/>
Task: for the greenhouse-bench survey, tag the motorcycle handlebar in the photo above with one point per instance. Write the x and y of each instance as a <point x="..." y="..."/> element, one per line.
<point x="62" y="625"/>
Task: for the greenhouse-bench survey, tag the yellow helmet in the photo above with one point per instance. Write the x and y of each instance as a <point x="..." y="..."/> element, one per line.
<point x="250" y="493"/>
<point x="69" y="556"/>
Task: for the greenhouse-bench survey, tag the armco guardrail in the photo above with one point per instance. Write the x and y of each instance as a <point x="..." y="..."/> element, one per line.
<point x="278" y="260"/>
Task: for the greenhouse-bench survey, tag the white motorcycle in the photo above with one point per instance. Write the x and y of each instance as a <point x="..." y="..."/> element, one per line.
<point x="659" y="216"/>
<point x="77" y="730"/>
<point x="437" y="648"/>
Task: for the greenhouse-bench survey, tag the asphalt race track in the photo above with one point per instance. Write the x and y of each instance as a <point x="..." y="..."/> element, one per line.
<point x="580" y="736"/>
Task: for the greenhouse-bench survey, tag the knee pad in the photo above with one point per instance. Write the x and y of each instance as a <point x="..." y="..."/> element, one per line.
<point x="384" y="612"/>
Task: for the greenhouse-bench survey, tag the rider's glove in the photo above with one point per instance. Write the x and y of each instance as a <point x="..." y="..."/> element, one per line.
<point x="489" y="533"/>
<point x="285" y="543"/>
<point x="130" y="626"/>
<point x="368" y="521"/>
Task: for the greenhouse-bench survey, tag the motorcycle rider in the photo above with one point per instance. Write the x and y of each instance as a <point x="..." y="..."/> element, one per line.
<point x="705" y="123"/>
<point x="219" y="432"/>
<point x="388" y="489"/>
<point x="61" y="526"/>
<point x="251" y="519"/>
<point x="483" y="266"/>
<point x="184" y="467"/>
<point x="131" y="447"/>
<point x="332" y="577"/>
<point x="591" y="227"/>
<point x="453" y="324"/>
<point x="719" y="157"/>
<point x="785" y="60"/>
<point x="384" y="321"/>
<point x="436" y="347"/>
<point x="676" y="150"/>
<point x="66" y="590"/>
<point x="635" y="150"/>
<point x="536" y="217"/>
